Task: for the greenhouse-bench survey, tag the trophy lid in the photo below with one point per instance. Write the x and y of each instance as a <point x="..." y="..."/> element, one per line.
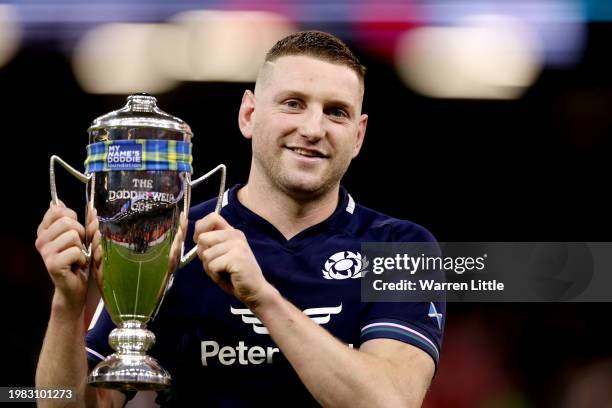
<point x="140" y="111"/>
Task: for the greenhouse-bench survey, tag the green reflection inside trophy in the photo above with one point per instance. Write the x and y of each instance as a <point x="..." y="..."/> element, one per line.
<point x="133" y="280"/>
<point x="139" y="250"/>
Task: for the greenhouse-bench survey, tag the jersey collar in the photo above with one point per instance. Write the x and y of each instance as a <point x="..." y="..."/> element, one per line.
<point x="341" y="216"/>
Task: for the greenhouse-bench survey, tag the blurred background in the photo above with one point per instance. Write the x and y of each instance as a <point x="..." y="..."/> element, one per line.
<point x="490" y="120"/>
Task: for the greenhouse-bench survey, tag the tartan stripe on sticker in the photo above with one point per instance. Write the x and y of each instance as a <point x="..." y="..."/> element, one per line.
<point x="139" y="154"/>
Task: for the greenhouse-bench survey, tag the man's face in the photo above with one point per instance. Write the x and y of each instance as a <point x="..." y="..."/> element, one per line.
<point x="305" y="123"/>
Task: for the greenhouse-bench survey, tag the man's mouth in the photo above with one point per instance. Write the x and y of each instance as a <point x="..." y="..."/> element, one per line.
<point x="307" y="152"/>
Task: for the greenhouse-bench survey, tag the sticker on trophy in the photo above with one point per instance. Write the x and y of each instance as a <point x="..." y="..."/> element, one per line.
<point x="139" y="154"/>
<point x="124" y="156"/>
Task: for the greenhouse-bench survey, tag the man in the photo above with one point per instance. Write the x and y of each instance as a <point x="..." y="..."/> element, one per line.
<point x="272" y="322"/>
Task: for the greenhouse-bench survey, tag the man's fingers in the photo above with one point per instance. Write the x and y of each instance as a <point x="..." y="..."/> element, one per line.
<point x="54" y="213"/>
<point x="224" y="281"/>
<point x="92" y="219"/>
<point x="214" y="252"/>
<point x="60" y="226"/>
<point x="217" y="268"/>
<point x="69" y="256"/>
<point x="81" y="259"/>
<point x="211" y="222"/>
<point x="211" y="238"/>
<point x="97" y="253"/>
<point x="66" y="240"/>
<point x="96" y="239"/>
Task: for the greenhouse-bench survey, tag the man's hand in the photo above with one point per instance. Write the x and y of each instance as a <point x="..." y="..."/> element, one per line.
<point x="60" y="242"/>
<point x="229" y="261"/>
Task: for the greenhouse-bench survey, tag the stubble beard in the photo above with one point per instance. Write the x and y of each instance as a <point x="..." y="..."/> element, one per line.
<point x="297" y="187"/>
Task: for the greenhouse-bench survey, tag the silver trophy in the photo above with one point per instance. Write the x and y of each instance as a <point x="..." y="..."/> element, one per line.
<point x="138" y="175"/>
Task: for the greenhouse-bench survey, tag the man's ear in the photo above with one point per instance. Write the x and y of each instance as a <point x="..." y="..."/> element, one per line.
<point x="361" y="130"/>
<point x="247" y="114"/>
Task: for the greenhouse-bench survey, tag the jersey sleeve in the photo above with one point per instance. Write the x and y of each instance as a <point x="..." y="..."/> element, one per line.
<point x="420" y="324"/>
<point x="96" y="340"/>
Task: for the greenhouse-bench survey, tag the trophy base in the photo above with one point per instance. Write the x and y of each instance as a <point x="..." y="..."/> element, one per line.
<point x="129" y="373"/>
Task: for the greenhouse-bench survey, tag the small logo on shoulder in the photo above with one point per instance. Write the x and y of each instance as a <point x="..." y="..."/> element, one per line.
<point x="433" y="313"/>
<point x="345" y="265"/>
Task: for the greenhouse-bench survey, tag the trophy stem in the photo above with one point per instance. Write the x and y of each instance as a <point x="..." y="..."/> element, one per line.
<point x="130" y="368"/>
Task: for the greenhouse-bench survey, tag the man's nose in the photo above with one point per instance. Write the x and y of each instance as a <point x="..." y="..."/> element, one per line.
<point x="312" y="127"/>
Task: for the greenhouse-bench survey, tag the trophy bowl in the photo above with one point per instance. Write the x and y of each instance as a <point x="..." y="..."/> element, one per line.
<point x="138" y="175"/>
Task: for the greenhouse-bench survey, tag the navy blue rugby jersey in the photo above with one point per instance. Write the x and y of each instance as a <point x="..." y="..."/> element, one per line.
<point x="220" y="354"/>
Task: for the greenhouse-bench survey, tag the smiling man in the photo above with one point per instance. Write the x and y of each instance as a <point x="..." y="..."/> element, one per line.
<point x="272" y="315"/>
<point x="307" y="121"/>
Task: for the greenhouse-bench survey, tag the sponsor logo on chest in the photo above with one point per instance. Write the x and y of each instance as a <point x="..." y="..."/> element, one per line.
<point x="244" y="354"/>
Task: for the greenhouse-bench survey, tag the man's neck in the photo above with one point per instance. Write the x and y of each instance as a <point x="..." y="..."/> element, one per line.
<point x="287" y="214"/>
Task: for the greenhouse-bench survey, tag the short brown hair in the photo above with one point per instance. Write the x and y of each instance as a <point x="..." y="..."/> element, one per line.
<point x="319" y="45"/>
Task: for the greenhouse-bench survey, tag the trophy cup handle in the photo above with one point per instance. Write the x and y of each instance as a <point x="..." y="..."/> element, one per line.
<point x="185" y="259"/>
<point x="74" y="172"/>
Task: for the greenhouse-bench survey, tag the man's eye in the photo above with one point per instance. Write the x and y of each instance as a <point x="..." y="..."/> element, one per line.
<point x="337" y="112"/>
<point x="293" y="104"/>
